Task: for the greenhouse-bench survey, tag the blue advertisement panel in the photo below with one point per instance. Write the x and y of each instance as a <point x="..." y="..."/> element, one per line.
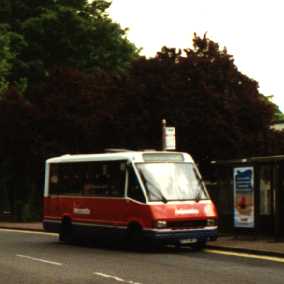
<point x="244" y="197"/>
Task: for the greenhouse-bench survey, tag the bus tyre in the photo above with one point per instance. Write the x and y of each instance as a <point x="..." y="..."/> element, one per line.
<point x="200" y="245"/>
<point x="65" y="234"/>
<point x="134" y="235"/>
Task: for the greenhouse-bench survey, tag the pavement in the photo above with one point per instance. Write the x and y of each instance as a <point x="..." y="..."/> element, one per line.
<point x="244" y="244"/>
<point x="251" y="245"/>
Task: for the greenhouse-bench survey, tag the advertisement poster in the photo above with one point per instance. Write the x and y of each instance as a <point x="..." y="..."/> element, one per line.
<point x="244" y="197"/>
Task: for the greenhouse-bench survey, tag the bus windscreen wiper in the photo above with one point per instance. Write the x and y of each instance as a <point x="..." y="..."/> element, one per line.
<point x="197" y="198"/>
<point x="158" y="192"/>
<point x="164" y="199"/>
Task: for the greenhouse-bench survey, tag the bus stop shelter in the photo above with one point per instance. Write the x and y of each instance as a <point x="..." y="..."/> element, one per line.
<point x="249" y="195"/>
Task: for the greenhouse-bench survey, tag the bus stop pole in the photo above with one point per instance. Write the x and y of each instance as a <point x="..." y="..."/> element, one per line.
<point x="276" y="209"/>
<point x="164" y="125"/>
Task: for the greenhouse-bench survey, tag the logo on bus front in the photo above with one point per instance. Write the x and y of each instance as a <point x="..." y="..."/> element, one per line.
<point x="192" y="211"/>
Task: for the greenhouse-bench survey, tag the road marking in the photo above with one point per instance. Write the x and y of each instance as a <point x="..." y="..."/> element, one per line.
<point x="118" y="279"/>
<point x="39" y="259"/>
<point x="246" y="255"/>
<point x="29" y="232"/>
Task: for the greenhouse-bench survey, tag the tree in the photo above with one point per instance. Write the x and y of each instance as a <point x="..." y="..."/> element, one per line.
<point x="70" y="112"/>
<point x="76" y="34"/>
<point x="11" y="46"/>
<point x="279" y="115"/>
<point x="5" y="60"/>
<point x="218" y="111"/>
<point x="75" y="112"/>
<point x="18" y="170"/>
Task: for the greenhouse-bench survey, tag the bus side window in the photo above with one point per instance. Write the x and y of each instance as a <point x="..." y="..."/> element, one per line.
<point x="53" y="179"/>
<point x="117" y="180"/>
<point x="134" y="190"/>
<point x="96" y="180"/>
<point x="69" y="178"/>
<point x="105" y="179"/>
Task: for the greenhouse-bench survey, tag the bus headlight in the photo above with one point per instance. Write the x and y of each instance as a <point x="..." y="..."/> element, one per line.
<point x="209" y="210"/>
<point x="211" y="222"/>
<point x="161" y="224"/>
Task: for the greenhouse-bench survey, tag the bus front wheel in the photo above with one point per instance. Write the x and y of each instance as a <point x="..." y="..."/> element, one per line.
<point x="134" y="235"/>
<point x="200" y="245"/>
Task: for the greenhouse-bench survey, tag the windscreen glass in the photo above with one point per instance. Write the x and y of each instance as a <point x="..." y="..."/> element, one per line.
<point x="171" y="181"/>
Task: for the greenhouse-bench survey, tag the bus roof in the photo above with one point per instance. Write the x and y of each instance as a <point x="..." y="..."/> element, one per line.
<point x="134" y="156"/>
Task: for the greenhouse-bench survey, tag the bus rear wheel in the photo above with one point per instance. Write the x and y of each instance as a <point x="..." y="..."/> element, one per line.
<point x="66" y="234"/>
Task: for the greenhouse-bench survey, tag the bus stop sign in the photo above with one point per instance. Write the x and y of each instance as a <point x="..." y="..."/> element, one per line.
<point x="170" y="138"/>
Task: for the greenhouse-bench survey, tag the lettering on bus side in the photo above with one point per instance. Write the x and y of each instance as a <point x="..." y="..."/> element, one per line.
<point x="82" y="211"/>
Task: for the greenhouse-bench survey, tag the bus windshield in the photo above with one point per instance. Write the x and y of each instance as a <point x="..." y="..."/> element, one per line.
<point x="172" y="182"/>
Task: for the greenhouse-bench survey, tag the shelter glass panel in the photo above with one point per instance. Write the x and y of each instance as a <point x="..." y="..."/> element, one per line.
<point x="265" y="198"/>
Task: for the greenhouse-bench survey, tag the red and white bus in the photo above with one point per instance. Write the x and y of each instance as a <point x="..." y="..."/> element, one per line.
<point x="148" y="195"/>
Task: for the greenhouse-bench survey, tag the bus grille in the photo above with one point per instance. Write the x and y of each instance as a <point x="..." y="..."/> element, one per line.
<point x="192" y="224"/>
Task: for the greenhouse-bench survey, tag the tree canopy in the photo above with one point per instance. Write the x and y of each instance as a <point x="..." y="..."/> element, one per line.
<point x="201" y="92"/>
<point x="6" y="56"/>
<point x="76" y="34"/>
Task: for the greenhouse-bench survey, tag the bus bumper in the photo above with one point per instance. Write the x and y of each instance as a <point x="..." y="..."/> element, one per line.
<point x="182" y="236"/>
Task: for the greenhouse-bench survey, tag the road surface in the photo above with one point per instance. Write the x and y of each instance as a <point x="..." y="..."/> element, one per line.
<point x="34" y="258"/>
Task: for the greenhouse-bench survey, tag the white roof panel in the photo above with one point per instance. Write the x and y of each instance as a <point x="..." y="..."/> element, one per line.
<point x="135" y="156"/>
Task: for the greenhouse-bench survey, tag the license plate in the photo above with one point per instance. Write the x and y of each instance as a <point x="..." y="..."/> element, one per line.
<point x="188" y="241"/>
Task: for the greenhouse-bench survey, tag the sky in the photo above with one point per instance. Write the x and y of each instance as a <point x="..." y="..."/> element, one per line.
<point x="251" y="30"/>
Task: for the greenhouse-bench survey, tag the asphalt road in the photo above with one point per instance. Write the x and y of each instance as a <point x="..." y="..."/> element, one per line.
<point x="27" y="257"/>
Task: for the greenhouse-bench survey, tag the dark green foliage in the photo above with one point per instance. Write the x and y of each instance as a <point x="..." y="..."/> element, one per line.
<point x="278" y="115"/>
<point x="5" y="57"/>
<point x="76" y="34"/>
<point x="11" y="45"/>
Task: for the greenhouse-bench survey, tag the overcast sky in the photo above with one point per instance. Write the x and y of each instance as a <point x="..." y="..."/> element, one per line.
<point x="252" y="31"/>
